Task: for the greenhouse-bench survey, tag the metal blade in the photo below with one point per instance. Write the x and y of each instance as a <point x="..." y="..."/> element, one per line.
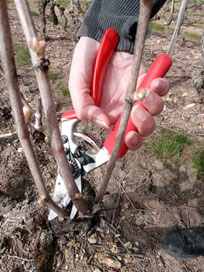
<point x="81" y="163"/>
<point x="61" y="197"/>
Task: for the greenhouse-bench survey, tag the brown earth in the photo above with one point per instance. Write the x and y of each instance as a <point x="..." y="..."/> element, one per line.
<point x="148" y="197"/>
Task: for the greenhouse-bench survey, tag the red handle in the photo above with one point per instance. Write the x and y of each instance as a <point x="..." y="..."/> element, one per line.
<point x="158" y="69"/>
<point x="106" y="49"/>
<point x="104" y="54"/>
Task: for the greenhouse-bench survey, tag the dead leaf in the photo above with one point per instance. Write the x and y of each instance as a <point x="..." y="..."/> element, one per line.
<point x="93" y="239"/>
<point x="105" y="259"/>
<point x="128" y="245"/>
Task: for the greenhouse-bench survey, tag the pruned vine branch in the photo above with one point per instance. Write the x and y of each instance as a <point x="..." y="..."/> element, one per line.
<point x="37" y="52"/>
<point x="144" y="16"/>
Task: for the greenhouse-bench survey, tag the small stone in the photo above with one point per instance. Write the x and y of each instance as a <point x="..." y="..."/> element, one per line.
<point x="77" y="257"/>
<point x="185" y="94"/>
<point x="189" y="106"/>
<point x="47" y="139"/>
<point x="93" y="239"/>
<point x="136" y="243"/>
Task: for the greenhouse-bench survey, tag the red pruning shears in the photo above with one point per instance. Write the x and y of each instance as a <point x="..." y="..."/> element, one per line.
<point x="83" y="162"/>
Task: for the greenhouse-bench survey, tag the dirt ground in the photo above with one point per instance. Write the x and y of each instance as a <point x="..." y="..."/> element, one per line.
<point x="148" y="197"/>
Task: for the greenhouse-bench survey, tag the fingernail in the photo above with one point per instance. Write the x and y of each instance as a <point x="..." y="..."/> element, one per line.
<point x="140" y="113"/>
<point x="151" y="97"/>
<point x="101" y="123"/>
<point x="157" y="84"/>
<point x="135" y="141"/>
<point x="160" y="85"/>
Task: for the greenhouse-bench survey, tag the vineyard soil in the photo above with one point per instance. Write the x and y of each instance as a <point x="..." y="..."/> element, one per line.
<point x="147" y="198"/>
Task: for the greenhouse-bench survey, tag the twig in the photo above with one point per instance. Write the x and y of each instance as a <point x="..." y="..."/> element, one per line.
<point x="116" y="236"/>
<point x="20" y="258"/>
<point x="37" y="52"/>
<point x="145" y="11"/>
<point x="128" y="198"/>
<point x="176" y="76"/>
<point x="114" y="212"/>
<point x="8" y="135"/>
<point x="169" y="129"/>
<point x="172" y="6"/>
<point x="23" y="100"/>
<point x="196" y="5"/>
<point x="7" y="55"/>
<point x="178" y="26"/>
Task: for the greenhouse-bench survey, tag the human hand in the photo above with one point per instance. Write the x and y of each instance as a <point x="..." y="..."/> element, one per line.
<point x="113" y="95"/>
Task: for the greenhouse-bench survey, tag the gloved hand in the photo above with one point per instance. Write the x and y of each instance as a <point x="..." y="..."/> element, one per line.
<point x="113" y="94"/>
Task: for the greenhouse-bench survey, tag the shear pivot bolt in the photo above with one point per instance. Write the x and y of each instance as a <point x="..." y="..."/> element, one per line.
<point x="64" y="139"/>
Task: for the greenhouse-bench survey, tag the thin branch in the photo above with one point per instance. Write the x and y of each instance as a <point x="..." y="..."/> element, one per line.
<point x="129" y="252"/>
<point x="37" y="52"/>
<point x="7" y="55"/>
<point x="172" y="6"/>
<point x="8" y="135"/>
<point x="145" y="11"/>
<point x="178" y="26"/>
<point x="23" y="100"/>
<point x="196" y="5"/>
<point x="20" y="258"/>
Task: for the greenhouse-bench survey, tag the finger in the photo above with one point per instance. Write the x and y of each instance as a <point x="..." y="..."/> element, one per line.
<point x="160" y="86"/>
<point x="80" y="83"/>
<point x="133" y="140"/>
<point x="143" y="120"/>
<point x="153" y="103"/>
<point x="96" y="115"/>
<point x="81" y="72"/>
